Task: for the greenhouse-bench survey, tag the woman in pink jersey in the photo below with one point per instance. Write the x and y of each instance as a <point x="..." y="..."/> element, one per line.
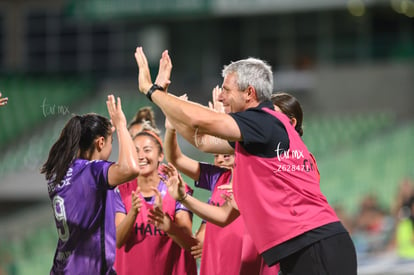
<point x="142" y="246"/>
<point x="277" y="187"/>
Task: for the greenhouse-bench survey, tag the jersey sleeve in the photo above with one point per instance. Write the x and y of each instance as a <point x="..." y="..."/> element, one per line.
<point x="261" y="132"/>
<point x="209" y="174"/>
<point x="99" y="170"/>
<point x="117" y="201"/>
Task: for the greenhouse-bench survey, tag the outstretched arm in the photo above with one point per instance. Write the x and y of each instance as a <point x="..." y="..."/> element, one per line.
<point x="173" y="154"/>
<point x="202" y="141"/>
<point x="126" y="168"/>
<point x="220" y="216"/>
<point x="181" y="113"/>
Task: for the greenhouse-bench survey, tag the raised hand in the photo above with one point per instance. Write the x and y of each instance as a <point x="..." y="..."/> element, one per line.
<point x="216" y="104"/>
<point x="115" y="112"/>
<point x="158" y="198"/>
<point x="144" y="75"/>
<point x="164" y="71"/>
<point x="3" y="100"/>
<point x="176" y="187"/>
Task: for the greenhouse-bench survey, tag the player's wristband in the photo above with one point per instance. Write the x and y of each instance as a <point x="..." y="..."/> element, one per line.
<point x="153" y="88"/>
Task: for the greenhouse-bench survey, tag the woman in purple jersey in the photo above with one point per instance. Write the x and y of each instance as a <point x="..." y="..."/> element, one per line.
<point x="79" y="177"/>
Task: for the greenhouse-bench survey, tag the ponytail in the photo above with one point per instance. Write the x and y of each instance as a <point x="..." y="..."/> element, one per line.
<point x="145" y="115"/>
<point x="76" y="138"/>
<point x="64" y="151"/>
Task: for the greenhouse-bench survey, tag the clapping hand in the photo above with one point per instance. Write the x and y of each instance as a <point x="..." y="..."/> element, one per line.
<point x="156" y="216"/>
<point x="136" y="203"/>
<point x="176" y="187"/>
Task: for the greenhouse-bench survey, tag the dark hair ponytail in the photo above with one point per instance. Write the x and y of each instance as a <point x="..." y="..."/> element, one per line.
<point x="144" y="114"/>
<point x="290" y="106"/>
<point x="76" y="138"/>
<point x="64" y="151"/>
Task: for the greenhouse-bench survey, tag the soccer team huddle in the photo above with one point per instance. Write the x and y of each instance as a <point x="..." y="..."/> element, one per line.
<point x="134" y="216"/>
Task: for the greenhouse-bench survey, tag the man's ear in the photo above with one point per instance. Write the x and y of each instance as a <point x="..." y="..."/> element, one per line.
<point x="251" y="93"/>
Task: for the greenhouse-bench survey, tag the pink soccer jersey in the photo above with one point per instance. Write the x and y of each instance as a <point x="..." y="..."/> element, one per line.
<point x="222" y="245"/>
<point x="283" y="207"/>
<point x="227" y="250"/>
<point x="149" y="250"/>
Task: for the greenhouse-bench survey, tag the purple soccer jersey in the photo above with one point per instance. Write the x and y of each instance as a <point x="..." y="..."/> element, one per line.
<point x="209" y="176"/>
<point x="84" y="217"/>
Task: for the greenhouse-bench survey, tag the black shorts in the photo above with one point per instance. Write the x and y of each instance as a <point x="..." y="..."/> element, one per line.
<point x="331" y="256"/>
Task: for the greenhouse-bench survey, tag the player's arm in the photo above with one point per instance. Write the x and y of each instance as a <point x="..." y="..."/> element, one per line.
<point x="197" y="250"/>
<point x="174" y="155"/>
<point x="201" y="232"/>
<point x="197" y="128"/>
<point x="220" y="216"/>
<point x="181" y="231"/>
<point x="205" y="142"/>
<point x="126" y="168"/>
<point x="189" y="119"/>
<point x="125" y="222"/>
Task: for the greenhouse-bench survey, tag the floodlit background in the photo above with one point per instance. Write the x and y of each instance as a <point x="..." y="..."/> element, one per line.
<point x="349" y="62"/>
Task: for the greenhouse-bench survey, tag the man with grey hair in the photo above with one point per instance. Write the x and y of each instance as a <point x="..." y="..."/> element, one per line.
<point x="276" y="180"/>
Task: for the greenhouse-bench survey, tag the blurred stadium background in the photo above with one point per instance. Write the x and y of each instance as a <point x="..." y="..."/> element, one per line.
<point x="349" y="62"/>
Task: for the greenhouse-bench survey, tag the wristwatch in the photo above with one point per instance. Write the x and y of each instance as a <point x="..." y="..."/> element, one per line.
<point x="153" y="88"/>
